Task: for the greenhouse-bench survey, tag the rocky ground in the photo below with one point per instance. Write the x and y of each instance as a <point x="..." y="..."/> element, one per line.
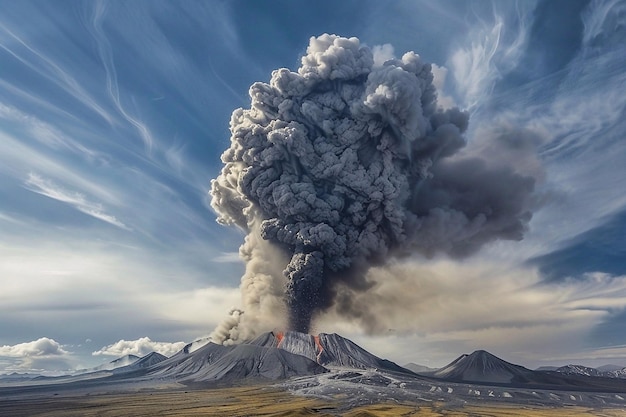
<point x="262" y="400"/>
<point x="340" y="392"/>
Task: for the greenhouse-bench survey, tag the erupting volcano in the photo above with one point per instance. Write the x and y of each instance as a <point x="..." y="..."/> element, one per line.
<point x="326" y="350"/>
<point x="349" y="162"/>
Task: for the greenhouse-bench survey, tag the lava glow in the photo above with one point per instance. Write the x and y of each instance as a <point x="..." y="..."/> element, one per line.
<point x="279" y="336"/>
<point x="319" y="347"/>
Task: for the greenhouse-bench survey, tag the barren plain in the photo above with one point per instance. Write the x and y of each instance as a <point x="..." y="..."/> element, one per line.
<point x="255" y="400"/>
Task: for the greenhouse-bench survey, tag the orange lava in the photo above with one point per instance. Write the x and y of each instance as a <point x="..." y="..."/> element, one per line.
<point x="280" y="336"/>
<point x="319" y="347"/>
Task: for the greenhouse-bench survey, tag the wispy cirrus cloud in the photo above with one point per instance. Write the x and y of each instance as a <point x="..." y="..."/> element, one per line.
<point x="43" y="132"/>
<point x="106" y="55"/>
<point x="39" y="185"/>
<point x="46" y="67"/>
<point x="494" y="48"/>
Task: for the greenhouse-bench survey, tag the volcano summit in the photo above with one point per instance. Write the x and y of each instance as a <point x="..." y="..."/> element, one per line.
<point x="327" y="350"/>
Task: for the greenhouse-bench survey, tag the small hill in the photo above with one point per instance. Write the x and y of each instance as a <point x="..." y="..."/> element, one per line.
<point x="419" y="369"/>
<point x="547" y="368"/>
<point x="610" y="368"/>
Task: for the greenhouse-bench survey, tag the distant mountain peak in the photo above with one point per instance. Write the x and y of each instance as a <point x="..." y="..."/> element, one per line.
<point x="120" y="362"/>
<point x="144" y="362"/>
<point x="572" y="369"/>
<point x="607" y="371"/>
<point x="125" y="359"/>
<point x="419" y="369"/>
<point x="482" y="366"/>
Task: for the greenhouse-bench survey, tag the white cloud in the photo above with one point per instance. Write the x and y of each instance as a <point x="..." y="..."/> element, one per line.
<point x="40" y="347"/>
<point x="44" y="356"/>
<point x="139" y="347"/>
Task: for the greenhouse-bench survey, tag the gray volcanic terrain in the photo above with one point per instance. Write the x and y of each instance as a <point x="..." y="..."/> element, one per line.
<point x="607" y="371"/>
<point x="328" y="365"/>
<point x="147" y="361"/>
<point x="186" y="363"/>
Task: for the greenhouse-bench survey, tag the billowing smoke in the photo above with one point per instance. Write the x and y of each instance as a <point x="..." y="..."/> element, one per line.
<point x="345" y="164"/>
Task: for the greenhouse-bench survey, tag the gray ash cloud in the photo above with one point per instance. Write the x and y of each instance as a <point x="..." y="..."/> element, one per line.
<point x="345" y="164"/>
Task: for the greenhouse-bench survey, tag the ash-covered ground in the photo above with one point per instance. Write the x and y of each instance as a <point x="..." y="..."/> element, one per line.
<point x="356" y="387"/>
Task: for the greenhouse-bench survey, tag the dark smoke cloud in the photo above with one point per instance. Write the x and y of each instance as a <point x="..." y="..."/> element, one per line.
<point x="345" y="164"/>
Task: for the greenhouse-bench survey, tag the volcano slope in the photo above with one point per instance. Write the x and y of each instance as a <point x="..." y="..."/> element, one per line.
<point x="329" y="350"/>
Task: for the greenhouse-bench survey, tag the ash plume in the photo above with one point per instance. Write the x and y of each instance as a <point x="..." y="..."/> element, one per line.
<point x="347" y="163"/>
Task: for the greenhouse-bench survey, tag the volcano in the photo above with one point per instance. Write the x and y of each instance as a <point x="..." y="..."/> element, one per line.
<point x="328" y="350"/>
<point x="273" y="356"/>
<point x="482" y="366"/>
<point x="223" y="364"/>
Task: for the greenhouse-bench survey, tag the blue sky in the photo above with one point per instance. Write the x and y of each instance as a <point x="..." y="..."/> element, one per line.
<point x="113" y="117"/>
